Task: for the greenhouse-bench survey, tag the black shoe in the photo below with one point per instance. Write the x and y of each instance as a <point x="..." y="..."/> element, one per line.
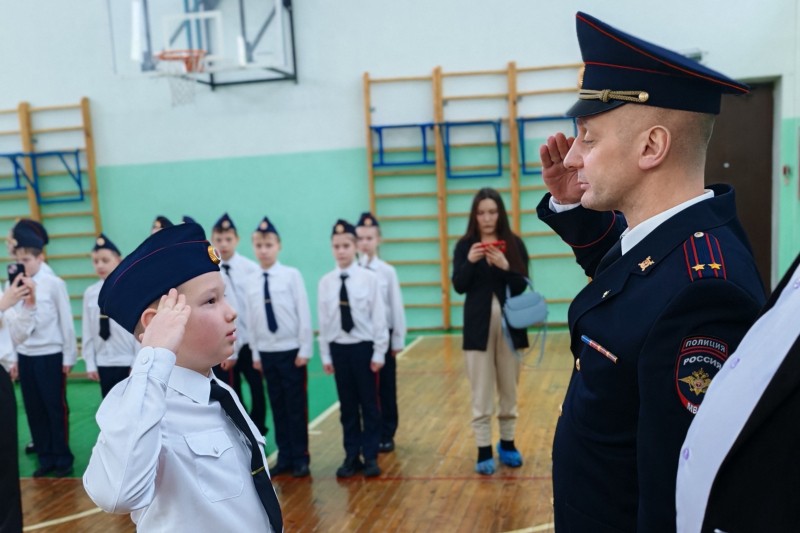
<point x="279" y="469"/>
<point x="371" y="468"/>
<point x="301" y="471"/>
<point x="386" y="446"/>
<point x="350" y="466"/>
<point x="63" y="472"/>
<point x="43" y="471"/>
<point x="30" y="448"/>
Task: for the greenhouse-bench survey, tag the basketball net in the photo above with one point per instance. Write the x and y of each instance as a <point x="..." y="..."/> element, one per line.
<point x="179" y="66"/>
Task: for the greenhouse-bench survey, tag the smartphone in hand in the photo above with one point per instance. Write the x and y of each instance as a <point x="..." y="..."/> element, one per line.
<point x="14" y="270"/>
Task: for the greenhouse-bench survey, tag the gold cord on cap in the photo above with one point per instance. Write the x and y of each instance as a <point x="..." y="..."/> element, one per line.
<point x="607" y="94"/>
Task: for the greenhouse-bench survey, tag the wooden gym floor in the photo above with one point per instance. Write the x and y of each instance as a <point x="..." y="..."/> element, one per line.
<point x="428" y="483"/>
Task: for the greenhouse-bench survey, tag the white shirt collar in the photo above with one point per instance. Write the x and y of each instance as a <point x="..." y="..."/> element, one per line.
<point x="191" y="384"/>
<point x="632" y="237"/>
<point x="275" y="267"/>
<point x="347" y="270"/>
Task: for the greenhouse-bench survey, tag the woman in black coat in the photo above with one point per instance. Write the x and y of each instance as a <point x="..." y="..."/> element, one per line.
<point x="488" y="259"/>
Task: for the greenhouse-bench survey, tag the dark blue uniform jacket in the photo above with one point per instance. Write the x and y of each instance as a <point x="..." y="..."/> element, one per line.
<point x="671" y="309"/>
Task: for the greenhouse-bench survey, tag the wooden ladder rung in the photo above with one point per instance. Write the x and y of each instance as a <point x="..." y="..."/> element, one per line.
<point x="422" y="306"/>
<point x="78" y="276"/>
<point x="75" y="235"/>
<point x="58" y="129"/>
<point x="401" y="240"/>
<point x="407" y="172"/>
<point x="68" y="215"/>
<point x="408" y="262"/>
<point x="421" y="284"/>
<point x="80" y="255"/>
<point x="538" y="234"/>
<point x="398" y="218"/>
<point x="398" y="195"/>
<point x="551" y="256"/>
<point x="14" y="196"/>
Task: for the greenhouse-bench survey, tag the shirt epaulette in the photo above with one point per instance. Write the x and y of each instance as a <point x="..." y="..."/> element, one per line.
<point x="704" y="259"/>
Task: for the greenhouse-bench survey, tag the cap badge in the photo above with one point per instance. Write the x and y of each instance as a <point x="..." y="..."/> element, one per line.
<point x="263" y="226"/>
<point x="214" y="255"/>
<point x="339" y="228"/>
<point x="100" y="241"/>
<point x="226" y="224"/>
<point x="367" y="221"/>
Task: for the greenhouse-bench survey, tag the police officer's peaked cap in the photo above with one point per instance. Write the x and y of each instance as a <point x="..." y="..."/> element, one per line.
<point x="620" y="68"/>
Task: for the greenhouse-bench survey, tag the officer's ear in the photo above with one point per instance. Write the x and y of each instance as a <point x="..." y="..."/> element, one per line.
<point x="656" y="143"/>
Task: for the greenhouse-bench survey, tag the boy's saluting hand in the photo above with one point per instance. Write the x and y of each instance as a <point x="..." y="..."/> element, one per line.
<point x="167" y="324"/>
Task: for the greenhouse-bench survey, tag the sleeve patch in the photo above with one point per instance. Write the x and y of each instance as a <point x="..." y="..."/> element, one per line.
<point x="704" y="259"/>
<point x="699" y="360"/>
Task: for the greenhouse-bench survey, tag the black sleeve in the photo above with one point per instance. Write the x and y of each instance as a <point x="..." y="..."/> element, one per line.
<point x="589" y="233"/>
<point x="463" y="269"/>
<point x="686" y="347"/>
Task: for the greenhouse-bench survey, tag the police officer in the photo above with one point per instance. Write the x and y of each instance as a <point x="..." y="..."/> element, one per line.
<point x="674" y="283"/>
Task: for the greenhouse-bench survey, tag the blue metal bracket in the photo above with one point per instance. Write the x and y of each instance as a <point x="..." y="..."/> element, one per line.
<point x="495" y="124"/>
<point x="423" y="156"/>
<point x="521" y="121"/>
<point x="17" y="158"/>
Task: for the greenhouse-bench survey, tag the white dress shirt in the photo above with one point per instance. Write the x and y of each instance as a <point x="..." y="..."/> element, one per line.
<point x="633" y="236"/>
<point x="729" y="402"/>
<point x="53" y="329"/>
<point x="241" y="268"/>
<point x="287" y="292"/>
<point x="392" y="298"/>
<point x="366" y="308"/>
<point x="15" y="326"/>
<point x="169" y="456"/>
<point x="121" y="347"/>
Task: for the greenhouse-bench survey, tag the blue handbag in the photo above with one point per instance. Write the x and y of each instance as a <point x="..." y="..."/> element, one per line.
<point x="526" y="309"/>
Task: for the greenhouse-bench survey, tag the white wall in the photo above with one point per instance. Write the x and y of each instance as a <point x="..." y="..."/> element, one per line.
<point x="56" y="51"/>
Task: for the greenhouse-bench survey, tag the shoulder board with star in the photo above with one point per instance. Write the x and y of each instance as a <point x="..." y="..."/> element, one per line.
<point x="704" y="259"/>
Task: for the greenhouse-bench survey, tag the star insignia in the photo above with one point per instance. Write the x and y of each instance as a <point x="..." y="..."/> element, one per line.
<point x="698" y="382"/>
<point x="715" y="266"/>
<point x="698" y="267"/>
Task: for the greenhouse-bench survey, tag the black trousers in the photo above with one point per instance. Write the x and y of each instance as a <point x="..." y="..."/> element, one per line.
<point x="287" y="386"/>
<point x="10" y="499"/>
<point x="110" y="376"/>
<point x="357" y="386"/>
<point x="233" y="377"/>
<point x="388" y="396"/>
<point x="44" y="393"/>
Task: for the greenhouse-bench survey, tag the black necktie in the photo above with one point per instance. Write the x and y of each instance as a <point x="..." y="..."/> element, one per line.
<point x="612" y="255"/>
<point x="105" y="328"/>
<point x="227" y="269"/>
<point x="257" y="469"/>
<point x="271" y="322"/>
<point x="344" y="307"/>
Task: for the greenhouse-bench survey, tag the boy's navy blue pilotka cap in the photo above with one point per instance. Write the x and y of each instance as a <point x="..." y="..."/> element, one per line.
<point x="367" y="220"/>
<point x="161" y="222"/>
<point x="28" y="233"/>
<point x="342" y="227"/>
<point x="224" y="224"/>
<point x="265" y="226"/>
<point x="163" y="261"/>
<point x="104" y="243"/>
<point x="620" y="68"/>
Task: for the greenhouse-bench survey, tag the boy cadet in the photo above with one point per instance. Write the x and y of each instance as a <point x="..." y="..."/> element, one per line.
<point x="108" y="349"/>
<point x="353" y="338"/>
<point x="46" y="356"/>
<point x="369" y="238"/>
<point x="175" y="447"/>
<point x="14" y="327"/>
<point x="281" y="339"/>
<point x="671" y="296"/>
<point x="236" y="270"/>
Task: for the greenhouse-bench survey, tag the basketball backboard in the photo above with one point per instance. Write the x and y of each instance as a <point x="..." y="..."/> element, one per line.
<point x="242" y="41"/>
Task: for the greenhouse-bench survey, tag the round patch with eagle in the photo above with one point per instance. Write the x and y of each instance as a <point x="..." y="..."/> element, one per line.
<point x="699" y="360"/>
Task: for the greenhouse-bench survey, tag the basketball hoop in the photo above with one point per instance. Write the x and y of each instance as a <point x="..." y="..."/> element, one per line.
<point x="179" y="67"/>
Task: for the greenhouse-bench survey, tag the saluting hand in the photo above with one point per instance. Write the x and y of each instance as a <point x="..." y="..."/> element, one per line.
<point x="562" y="182"/>
<point x="167" y="327"/>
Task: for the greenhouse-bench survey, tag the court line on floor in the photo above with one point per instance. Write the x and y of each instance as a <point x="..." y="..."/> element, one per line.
<point x="535" y="529"/>
<point x="63" y="519"/>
